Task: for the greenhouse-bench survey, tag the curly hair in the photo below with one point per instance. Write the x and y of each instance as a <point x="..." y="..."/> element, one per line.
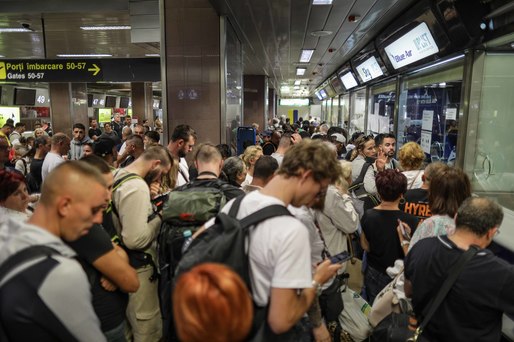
<point x="411" y="156"/>
<point x="314" y="155"/>
<point x="250" y="153"/>
<point x="391" y="184"/>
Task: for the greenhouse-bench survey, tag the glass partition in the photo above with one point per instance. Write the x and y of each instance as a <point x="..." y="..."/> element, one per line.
<point x="336" y="115"/>
<point x="344" y="104"/>
<point x="234" y="84"/>
<point x="428" y="109"/>
<point x="489" y="148"/>
<point x="358" y="110"/>
<point x="381" y="108"/>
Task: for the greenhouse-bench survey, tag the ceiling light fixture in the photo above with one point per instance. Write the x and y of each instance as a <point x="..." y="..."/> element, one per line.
<point x="296" y="87"/>
<point x="321" y="33"/>
<point x="2" y="56"/>
<point x="14" y="29"/>
<point x="297" y="82"/>
<point x="152" y="55"/>
<point x="322" y="2"/>
<point x="300" y="71"/>
<point x="105" y="28"/>
<point x="85" y="55"/>
<point x="306" y="55"/>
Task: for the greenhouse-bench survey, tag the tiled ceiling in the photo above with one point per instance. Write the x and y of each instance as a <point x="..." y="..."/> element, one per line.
<point x="273" y="32"/>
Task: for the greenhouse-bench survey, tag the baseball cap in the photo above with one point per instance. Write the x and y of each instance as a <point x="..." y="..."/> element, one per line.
<point x="266" y="134"/>
<point x="339" y="138"/>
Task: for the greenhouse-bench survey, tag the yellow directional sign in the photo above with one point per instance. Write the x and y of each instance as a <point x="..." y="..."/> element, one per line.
<point x="2" y="71"/>
<point x="95" y="69"/>
<point x="80" y="70"/>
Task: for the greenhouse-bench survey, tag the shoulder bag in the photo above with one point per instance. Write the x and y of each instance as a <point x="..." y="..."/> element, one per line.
<point x="400" y="327"/>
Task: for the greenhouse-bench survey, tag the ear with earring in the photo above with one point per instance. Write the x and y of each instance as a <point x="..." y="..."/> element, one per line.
<point x="402" y="199"/>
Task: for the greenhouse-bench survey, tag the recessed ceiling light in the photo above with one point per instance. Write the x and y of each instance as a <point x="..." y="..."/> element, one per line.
<point x="296" y="87"/>
<point x="85" y="55"/>
<point x="105" y="28"/>
<point x="306" y="56"/>
<point x="321" y="33"/>
<point x="322" y="2"/>
<point x="300" y="71"/>
<point x="14" y="29"/>
<point x="152" y="55"/>
<point x="297" y="82"/>
<point x="2" y="56"/>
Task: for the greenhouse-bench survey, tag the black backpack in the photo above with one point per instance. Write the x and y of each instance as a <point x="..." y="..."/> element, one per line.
<point x="19" y="258"/>
<point x="357" y="188"/>
<point x="227" y="242"/>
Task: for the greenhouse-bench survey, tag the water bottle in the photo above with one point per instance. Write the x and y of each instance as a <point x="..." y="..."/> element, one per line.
<point x="188" y="238"/>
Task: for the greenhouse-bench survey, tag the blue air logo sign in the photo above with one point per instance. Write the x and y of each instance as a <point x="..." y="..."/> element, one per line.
<point x="411" y="47"/>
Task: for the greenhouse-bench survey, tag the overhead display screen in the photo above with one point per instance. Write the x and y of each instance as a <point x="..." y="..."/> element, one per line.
<point x="369" y="70"/>
<point x="318" y="95"/>
<point x="413" y="46"/>
<point x="349" y="81"/>
<point x="323" y="93"/>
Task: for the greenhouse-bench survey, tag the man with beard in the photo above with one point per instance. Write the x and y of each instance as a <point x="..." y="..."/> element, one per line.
<point x="387" y="144"/>
<point x="181" y="143"/>
<point x="137" y="225"/>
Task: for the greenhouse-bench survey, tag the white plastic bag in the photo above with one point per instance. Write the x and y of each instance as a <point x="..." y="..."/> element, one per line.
<point x="354" y="317"/>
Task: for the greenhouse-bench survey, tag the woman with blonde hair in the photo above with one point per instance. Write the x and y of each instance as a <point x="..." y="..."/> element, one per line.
<point x="411" y="158"/>
<point x="250" y="156"/>
<point x="338" y="217"/>
<point x="212" y="303"/>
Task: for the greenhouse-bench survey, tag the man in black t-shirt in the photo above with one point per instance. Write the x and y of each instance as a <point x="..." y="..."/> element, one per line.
<point x="94" y="132"/>
<point x="473" y="309"/>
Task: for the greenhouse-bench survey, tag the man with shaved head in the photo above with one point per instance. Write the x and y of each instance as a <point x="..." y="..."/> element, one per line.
<point x="47" y="297"/>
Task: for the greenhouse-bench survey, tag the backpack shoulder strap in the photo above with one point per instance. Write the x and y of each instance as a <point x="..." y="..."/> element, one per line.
<point x="23" y="256"/>
<point x="115" y="186"/>
<point x="364" y="169"/>
<point x="274" y="210"/>
<point x="234" y="209"/>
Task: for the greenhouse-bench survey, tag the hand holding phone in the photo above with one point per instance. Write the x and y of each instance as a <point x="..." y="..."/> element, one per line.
<point x="405" y="229"/>
<point x="340" y="258"/>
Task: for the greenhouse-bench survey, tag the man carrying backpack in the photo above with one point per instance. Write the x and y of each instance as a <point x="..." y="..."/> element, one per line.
<point x="187" y="209"/>
<point x="44" y="292"/>
<point x="279" y="250"/>
<point x="137" y="224"/>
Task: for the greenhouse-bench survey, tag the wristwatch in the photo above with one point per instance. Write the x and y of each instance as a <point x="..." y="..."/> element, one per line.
<point x="317" y="287"/>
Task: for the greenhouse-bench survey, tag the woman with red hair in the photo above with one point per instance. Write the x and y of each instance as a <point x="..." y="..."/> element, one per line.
<point x="14" y="198"/>
<point x="212" y="303"/>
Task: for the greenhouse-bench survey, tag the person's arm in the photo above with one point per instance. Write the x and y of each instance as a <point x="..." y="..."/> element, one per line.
<point x="117" y="269"/>
<point x="364" y="242"/>
<point x="319" y="329"/>
<point x="287" y="306"/>
<point x="369" y="182"/>
<point x="342" y="212"/>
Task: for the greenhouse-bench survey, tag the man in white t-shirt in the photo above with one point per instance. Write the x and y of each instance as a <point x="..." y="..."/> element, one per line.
<point x="60" y="147"/>
<point x="181" y="143"/>
<point x="280" y="251"/>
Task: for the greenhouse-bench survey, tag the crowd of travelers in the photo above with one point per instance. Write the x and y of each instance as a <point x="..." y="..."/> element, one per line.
<point x="309" y="235"/>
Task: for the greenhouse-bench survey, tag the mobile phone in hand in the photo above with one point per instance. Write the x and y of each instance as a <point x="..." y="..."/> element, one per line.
<point x="340" y="258"/>
<point x="404" y="230"/>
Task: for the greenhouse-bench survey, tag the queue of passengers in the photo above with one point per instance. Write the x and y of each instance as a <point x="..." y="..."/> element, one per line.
<point x="99" y="210"/>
